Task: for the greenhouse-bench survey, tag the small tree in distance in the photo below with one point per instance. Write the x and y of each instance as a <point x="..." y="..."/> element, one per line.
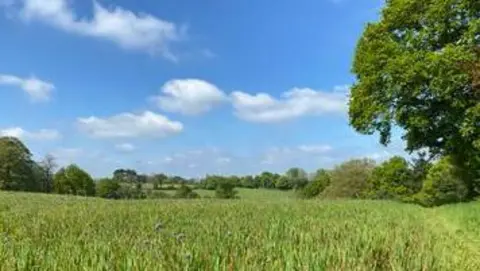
<point x="226" y="190"/>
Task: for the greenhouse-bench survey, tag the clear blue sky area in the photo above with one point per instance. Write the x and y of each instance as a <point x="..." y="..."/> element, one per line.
<point x="184" y="86"/>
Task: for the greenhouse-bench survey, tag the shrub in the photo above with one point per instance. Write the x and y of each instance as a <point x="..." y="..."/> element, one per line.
<point x="443" y="185"/>
<point x="73" y="180"/>
<point x="155" y="194"/>
<point x="108" y="188"/>
<point x="186" y="192"/>
<point x="393" y="179"/>
<point x="349" y="180"/>
<point x="319" y="183"/>
<point x="283" y="183"/>
<point x="226" y="190"/>
<point x="128" y="192"/>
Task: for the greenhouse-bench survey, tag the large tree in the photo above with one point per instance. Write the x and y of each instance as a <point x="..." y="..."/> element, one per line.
<point x="418" y="68"/>
<point x="16" y="166"/>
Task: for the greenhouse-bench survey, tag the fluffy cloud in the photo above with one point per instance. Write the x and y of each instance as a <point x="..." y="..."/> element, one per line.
<point x="43" y="134"/>
<point x="315" y="148"/>
<point x="142" y="32"/>
<point x="189" y="96"/>
<point x="129" y="125"/>
<point x="125" y="147"/>
<point x="295" y="103"/>
<point x="38" y="90"/>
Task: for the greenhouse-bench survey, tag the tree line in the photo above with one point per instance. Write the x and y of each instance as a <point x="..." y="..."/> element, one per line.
<point x="418" y="181"/>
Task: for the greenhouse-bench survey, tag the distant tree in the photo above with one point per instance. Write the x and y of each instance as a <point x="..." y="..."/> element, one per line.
<point x="418" y="68"/>
<point x="129" y="192"/>
<point x="249" y="182"/>
<point x="185" y="192"/>
<point x="73" y="180"/>
<point x="159" y="180"/>
<point x="142" y="178"/>
<point x="393" y="179"/>
<point x="226" y="190"/>
<point x="177" y="180"/>
<point x="297" y="177"/>
<point x="320" y="181"/>
<point x="108" y="188"/>
<point x="283" y="183"/>
<point x="349" y="179"/>
<point x="47" y="167"/>
<point x="16" y="166"/>
<point x="267" y="179"/>
<point x="125" y="175"/>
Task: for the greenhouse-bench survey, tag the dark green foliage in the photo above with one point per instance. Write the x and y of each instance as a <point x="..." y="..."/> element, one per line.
<point x="186" y="192"/>
<point x="284" y="183"/>
<point x="393" y="179"/>
<point x="420" y="167"/>
<point x="443" y="185"/>
<point x="297" y="177"/>
<point x="226" y="190"/>
<point x="317" y="186"/>
<point x="16" y="166"/>
<point x="349" y="180"/>
<point x="418" y="68"/>
<point x="125" y="175"/>
<point x="159" y="180"/>
<point x="250" y="182"/>
<point x="155" y="194"/>
<point x="129" y="192"/>
<point x="108" y="188"/>
<point x="73" y="180"/>
<point x="267" y="179"/>
<point x="47" y="171"/>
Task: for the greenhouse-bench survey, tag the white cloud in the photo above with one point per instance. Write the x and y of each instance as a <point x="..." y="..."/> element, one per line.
<point x="142" y="32"/>
<point x="129" y="125"/>
<point x="125" y="147"/>
<point x="38" y="90"/>
<point x="315" y="148"/>
<point x="295" y="103"/>
<point x="43" y="134"/>
<point x="189" y="96"/>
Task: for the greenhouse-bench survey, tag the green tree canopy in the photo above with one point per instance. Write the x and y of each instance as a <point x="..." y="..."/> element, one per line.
<point x="73" y="180"/>
<point x="108" y="188"/>
<point x="16" y="166"/>
<point x="443" y="185"/>
<point x="320" y="181"/>
<point x="393" y="179"/>
<point x="418" y="68"/>
<point x="349" y="179"/>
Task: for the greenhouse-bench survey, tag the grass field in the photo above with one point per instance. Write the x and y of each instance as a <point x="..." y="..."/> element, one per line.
<point x="48" y="232"/>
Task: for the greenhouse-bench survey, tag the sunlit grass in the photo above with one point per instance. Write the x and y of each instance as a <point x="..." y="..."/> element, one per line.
<point x="47" y="232"/>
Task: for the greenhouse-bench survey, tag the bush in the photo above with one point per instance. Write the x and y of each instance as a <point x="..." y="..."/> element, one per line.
<point x="443" y="185"/>
<point x="128" y="192"/>
<point x="393" y="179"/>
<point x="186" y="192"/>
<point x="155" y="194"/>
<point x="349" y="180"/>
<point x="73" y="180"/>
<point x="319" y="183"/>
<point x="108" y="188"/>
<point x="283" y="183"/>
<point x="226" y="190"/>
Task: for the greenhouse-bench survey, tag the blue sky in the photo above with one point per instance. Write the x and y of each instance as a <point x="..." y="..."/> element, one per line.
<point x="183" y="86"/>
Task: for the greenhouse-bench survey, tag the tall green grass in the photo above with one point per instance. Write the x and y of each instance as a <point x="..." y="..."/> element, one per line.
<point x="47" y="232"/>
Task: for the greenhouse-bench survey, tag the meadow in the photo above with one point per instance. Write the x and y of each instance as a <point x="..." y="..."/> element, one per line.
<point x="264" y="230"/>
